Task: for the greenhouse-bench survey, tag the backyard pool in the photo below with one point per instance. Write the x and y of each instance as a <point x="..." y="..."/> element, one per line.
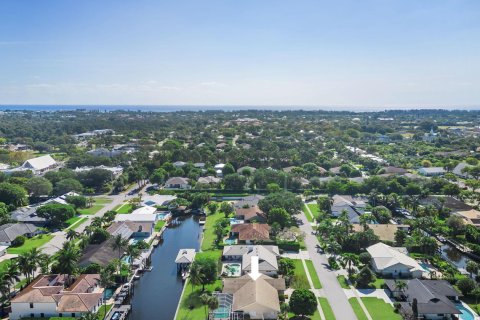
<point x="230" y="241"/>
<point x="466" y="314"/>
<point x="235" y="221"/>
<point x="232" y="269"/>
<point x="108" y="293"/>
<point x="424" y="266"/>
<point x="162" y="215"/>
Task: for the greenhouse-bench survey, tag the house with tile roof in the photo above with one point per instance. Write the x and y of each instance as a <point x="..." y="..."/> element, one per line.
<point x="250" y="233"/>
<point x="267" y="257"/>
<point x="250" y="214"/>
<point x="51" y="296"/>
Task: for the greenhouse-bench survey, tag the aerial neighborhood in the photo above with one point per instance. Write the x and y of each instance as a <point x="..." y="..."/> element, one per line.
<point x="240" y="215"/>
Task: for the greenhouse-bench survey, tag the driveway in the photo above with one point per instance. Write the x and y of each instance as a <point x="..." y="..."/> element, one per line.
<point x="334" y="293"/>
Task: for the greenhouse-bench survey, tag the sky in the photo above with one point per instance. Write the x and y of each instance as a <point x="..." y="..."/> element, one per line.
<point x="340" y="54"/>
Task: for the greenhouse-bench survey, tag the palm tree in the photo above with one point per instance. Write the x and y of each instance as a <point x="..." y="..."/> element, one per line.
<point x="196" y="275"/>
<point x="212" y="303"/>
<point x="72" y="234"/>
<point x="119" y="243"/>
<point x="26" y="265"/>
<point x="97" y="222"/>
<point x="67" y="260"/>
<point x="401" y="285"/>
<point x="89" y="316"/>
<point x="133" y="252"/>
<point x="365" y="219"/>
<point x="349" y="259"/>
<point x="105" y="281"/>
<point x="44" y="261"/>
<point x="89" y="230"/>
<point x="34" y="255"/>
<point x="11" y="273"/>
<point x="204" y="298"/>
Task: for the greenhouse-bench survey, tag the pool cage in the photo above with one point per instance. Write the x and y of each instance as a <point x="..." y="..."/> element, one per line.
<point x="224" y="310"/>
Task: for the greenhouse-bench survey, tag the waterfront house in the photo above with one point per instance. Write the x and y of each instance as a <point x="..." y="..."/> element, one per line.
<point x="267" y="257"/>
<point x="255" y="295"/>
<point x="131" y="229"/>
<point x="436" y="299"/>
<point x="251" y="232"/>
<point x="52" y="296"/>
<point x="101" y="254"/>
<point x="470" y="216"/>
<point x="393" y="262"/>
<point x="177" y="183"/>
<point x="137" y="217"/>
<point x="250" y="214"/>
<point x="10" y="231"/>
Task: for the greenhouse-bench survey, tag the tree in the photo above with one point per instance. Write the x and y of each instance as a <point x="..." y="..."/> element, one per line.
<point x="13" y="194"/>
<point x="382" y="214"/>
<point x="234" y="181"/>
<point x="226" y="208"/>
<point x="401" y="285"/>
<point x="472" y="268"/>
<point x="286" y="200"/>
<point x="303" y="302"/>
<point x="105" y="281"/>
<point x="349" y="259"/>
<point x="324" y="204"/>
<point x="196" y="275"/>
<point x="210" y="302"/>
<point x="67" y="260"/>
<point x="273" y="187"/>
<point x="365" y="277"/>
<point x="228" y="169"/>
<point x="208" y="267"/>
<point x="119" y="243"/>
<point x="4" y="214"/>
<point x="280" y="216"/>
<point x="77" y="201"/>
<point x="68" y="185"/>
<point x="133" y="252"/>
<point x="212" y="207"/>
<point x="400" y="237"/>
<point x="286" y="267"/>
<point x="456" y="225"/>
<point x="39" y="186"/>
<point x="71" y="234"/>
<point x="466" y="286"/>
<point x="11" y="273"/>
<point x="159" y="176"/>
<point x="199" y="200"/>
<point x="89" y="316"/>
<point x="56" y="214"/>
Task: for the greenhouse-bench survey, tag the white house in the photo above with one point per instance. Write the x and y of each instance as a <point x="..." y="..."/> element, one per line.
<point x="177" y="183"/>
<point x="47" y="297"/>
<point x="137" y="217"/>
<point x="391" y="262"/>
<point x="267" y="257"/>
<point x="431" y="171"/>
<point x="40" y="164"/>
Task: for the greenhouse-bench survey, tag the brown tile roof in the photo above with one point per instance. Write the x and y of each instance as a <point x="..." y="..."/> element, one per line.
<point x="79" y="297"/>
<point x="250" y="213"/>
<point x="252" y="231"/>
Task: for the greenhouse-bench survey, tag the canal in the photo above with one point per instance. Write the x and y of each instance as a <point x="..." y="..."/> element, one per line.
<point x="157" y="292"/>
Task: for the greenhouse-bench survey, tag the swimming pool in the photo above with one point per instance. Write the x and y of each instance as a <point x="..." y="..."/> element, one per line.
<point x="230" y="241"/>
<point x="162" y="215"/>
<point x="108" y="293"/>
<point x="466" y="314"/>
<point x="221" y="313"/>
<point x="235" y="221"/>
<point x="232" y="269"/>
<point x="424" y="266"/>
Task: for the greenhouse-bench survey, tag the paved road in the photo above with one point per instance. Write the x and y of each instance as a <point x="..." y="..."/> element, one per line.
<point x="334" y="293"/>
<point x="59" y="238"/>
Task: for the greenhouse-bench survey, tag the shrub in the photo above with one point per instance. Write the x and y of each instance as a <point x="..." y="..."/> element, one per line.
<point x="18" y="241"/>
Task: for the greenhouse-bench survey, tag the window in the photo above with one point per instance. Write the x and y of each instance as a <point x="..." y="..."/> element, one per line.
<point x="42" y="315"/>
<point x="73" y="314"/>
<point x="60" y="315"/>
<point x="31" y="305"/>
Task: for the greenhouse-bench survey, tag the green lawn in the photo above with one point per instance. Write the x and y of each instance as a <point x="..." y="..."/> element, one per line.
<point x="31" y="243"/>
<point x="159" y="225"/>
<point x="313" y="209"/>
<point x="124" y="208"/>
<point x="378" y="283"/>
<point x="307" y="214"/>
<point x="3" y="265"/>
<point x="378" y="309"/>
<point x="358" y="310"/>
<point x="299" y="279"/>
<point x="327" y="310"/>
<point x="191" y="306"/>
<point x="79" y="223"/>
<point x="72" y="220"/>
<point x="208" y="233"/>
<point x="313" y="274"/>
<point x="98" y="204"/>
<point x="343" y="282"/>
<point x="101" y="312"/>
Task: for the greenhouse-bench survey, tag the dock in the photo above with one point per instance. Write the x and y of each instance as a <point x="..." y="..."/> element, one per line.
<point x="123" y="310"/>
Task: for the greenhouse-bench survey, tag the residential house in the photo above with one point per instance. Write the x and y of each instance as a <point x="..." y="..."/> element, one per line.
<point x="116" y="171"/>
<point x="385" y="232"/>
<point x="267" y="257"/>
<point x="254" y="295"/>
<point x="137" y="217"/>
<point x="104" y="152"/>
<point x="28" y="215"/>
<point x="250" y="214"/>
<point x="179" y="164"/>
<point x="209" y="180"/>
<point x="40" y="165"/>
<point x="470" y="216"/>
<point x="251" y="232"/>
<point x="430" y="136"/>
<point x="177" y="183"/>
<point x="431" y="171"/>
<point x="393" y="170"/>
<point x="249" y="201"/>
<point x="62" y="199"/>
<point x="10" y="231"/>
<point x="354" y="206"/>
<point x="47" y="297"/>
<point x="131" y="229"/>
<point x="394" y="262"/>
<point x="101" y="254"/>
<point x="446" y="202"/>
<point x="436" y="299"/>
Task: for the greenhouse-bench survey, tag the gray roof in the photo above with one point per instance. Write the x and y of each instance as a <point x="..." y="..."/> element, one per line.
<point x="267" y="256"/>
<point x="432" y="296"/>
<point x="9" y="231"/>
<point x="101" y="254"/>
<point x="458" y="169"/>
<point x="249" y="200"/>
<point x="27" y="214"/>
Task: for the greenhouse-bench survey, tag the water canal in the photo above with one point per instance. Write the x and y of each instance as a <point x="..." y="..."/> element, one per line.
<point x="157" y="292"/>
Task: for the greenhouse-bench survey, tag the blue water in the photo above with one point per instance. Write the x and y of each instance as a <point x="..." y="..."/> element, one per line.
<point x="235" y="221"/>
<point x="230" y="241"/>
<point x="161" y="216"/>
<point x="466" y="314"/>
<point x="424" y="266"/>
<point x="150" y="203"/>
<point x="108" y="293"/>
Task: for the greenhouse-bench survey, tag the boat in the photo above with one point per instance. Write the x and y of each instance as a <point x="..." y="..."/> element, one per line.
<point x="150" y="268"/>
<point x="201" y="222"/>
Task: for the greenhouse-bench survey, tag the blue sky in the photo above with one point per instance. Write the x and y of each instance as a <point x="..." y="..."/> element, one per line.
<point x="369" y="53"/>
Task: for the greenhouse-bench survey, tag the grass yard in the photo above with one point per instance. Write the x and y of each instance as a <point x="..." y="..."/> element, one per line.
<point x="379" y="283"/>
<point x="358" y="309"/>
<point x="159" y="225"/>
<point x="343" y="282"/>
<point x="98" y="204"/>
<point x="327" y="310"/>
<point x="124" y="208"/>
<point x="313" y="209"/>
<point x="316" y="316"/>
<point x="101" y="312"/>
<point x="191" y="306"/>
<point x="307" y="214"/>
<point x="313" y="274"/>
<point x="379" y="309"/>
<point x="73" y="220"/>
<point x="79" y="223"/>
<point x="208" y="233"/>
<point x="299" y="279"/>
<point x="3" y="265"/>
<point x="31" y="243"/>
